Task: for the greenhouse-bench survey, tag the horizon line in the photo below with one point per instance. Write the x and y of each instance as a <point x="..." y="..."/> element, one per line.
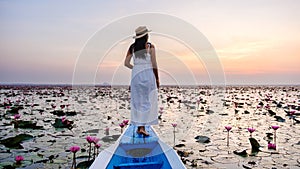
<point x="127" y="85"/>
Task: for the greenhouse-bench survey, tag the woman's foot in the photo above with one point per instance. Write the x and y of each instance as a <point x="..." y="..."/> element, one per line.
<point x="141" y="130"/>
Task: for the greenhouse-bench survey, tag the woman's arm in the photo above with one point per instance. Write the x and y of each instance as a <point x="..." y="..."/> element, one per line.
<point x="127" y="59"/>
<point x="154" y="64"/>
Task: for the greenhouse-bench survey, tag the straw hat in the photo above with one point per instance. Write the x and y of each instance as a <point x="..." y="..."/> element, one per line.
<point x="140" y="32"/>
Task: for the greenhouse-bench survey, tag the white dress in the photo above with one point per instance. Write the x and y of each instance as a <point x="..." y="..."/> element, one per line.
<point x="144" y="109"/>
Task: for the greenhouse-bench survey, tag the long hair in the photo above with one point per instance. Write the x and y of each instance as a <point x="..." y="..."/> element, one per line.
<point x="139" y="46"/>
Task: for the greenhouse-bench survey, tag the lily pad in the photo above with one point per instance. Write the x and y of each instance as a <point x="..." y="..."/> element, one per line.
<point x="14" y="142"/>
<point x="71" y="113"/>
<point x="242" y="153"/>
<point x="202" y="139"/>
<point x="27" y="125"/>
<point x="60" y="124"/>
<point x="84" y="164"/>
<point x="110" y="138"/>
<point x="254" y="145"/>
<point x="58" y="113"/>
<point x="279" y="119"/>
<point x="271" y="112"/>
<point x="14" y="110"/>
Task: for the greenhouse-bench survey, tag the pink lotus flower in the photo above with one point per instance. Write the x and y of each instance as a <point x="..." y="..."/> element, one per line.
<point x="125" y="122"/>
<point x="96" y="140"/>
<point x="63" y="119"/>
<point x="17" y="116"/>
<point x="251" y="130"/>
<point x="98" y="145"/>
<point x="228" y="128"/>
<point x="267" y="107"/>
<point x="292" y="112"/>
<point x="272" y="146"/>
<point x="90" y="139"/>
<point x="275" y="127"/>
<point x="53" y="106"/>
<point x="74" y="149"/>
<point x="121" y="125"/>
<point x="174" y="125"/>
<point x="19" y="159"/>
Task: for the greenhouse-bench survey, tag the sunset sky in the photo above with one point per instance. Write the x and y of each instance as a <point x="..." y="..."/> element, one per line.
<point x="257" y="41"/>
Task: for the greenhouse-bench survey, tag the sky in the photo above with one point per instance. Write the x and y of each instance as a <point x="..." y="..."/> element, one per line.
<point x="53" y="42"/>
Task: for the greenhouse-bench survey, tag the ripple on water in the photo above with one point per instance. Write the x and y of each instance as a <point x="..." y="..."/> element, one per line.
<point x="263" y="154"/>
<point x="284" y="161"/>
<point x="209" y="153"/>
<point x="267" y="162"/>
<point x="5" y="155"/>
<point x="225" y="159"/>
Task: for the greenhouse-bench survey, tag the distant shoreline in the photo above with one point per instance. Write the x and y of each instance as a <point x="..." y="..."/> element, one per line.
<point x="123" y="85"/>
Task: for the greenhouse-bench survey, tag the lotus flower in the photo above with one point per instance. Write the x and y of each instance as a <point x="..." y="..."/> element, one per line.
<point x="63" y="119"/>
<point x="272" y="146"/>
<point x="121" y="125"/>
<point x="275" y="127"/>
<point x="292" y="112"/>
<point x="267" y="107"/>
<point x="98" y="146"/>
<point x="228" y="128"/>
<point x="251" y="130"/>
<point x="17" y="116"/>
<point x="19" y="159"/>
<point x="96" y="140"/>
<point x="90" y="139"/>
<point x="74" y="149"/>
<point x="53" y="106"/>
<point x="125" y="122"/>
<point x="174" y="124"/>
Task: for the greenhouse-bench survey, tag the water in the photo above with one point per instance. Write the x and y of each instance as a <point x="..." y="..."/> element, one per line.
<point x="99" y="108"/>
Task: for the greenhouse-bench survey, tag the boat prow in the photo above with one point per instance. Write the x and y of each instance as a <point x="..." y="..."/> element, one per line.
<point x="133" y="151"/>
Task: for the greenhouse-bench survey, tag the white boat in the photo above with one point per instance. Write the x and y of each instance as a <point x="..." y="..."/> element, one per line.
<point x="134" y="151"/>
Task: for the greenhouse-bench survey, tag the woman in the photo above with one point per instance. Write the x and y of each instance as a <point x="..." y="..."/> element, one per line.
<point x="144" y="81"/>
